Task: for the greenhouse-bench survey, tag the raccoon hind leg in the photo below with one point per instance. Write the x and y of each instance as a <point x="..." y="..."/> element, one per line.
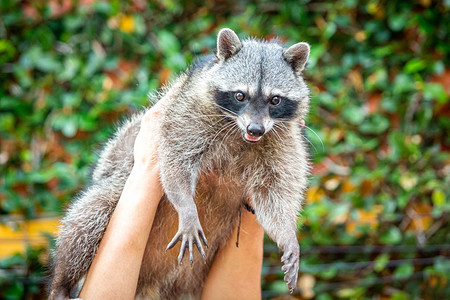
<point x="81" y="233"/>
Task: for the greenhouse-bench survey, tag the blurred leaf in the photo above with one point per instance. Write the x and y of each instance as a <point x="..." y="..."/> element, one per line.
<point x="376" y="124"/>
<point x="354" y="114"/>
<point x="72" y="65"/>
<point x="438" y="198"/>
<point x="103" y="7"/>
<point x="330" y="29"/>
<point x="6" y="121"/>
<point x="68" y="124"/>
<point x="168" y="43"/>
<point x="436" y="91"/>
<point x="397" y="21"/>
<point x="408" y="181"/>
<point x="422" y="219"/>
<point x="329" y="273"/>
<point x="279" y="286"/>
<point x="7" y="51"/>
<point x="415" y="65"/>
<point x="316" y="52"/>
<point x="392" y="236"/>
<point x="324" y="297"/>
<point x="381" y="262"/>
<point x="402" y="84"/>
<point x="404" y="271"/>
<point x="400" y="296"/>
<point x="71" y="99"/>
<point x="351" y="293"/>
<point x="15" y="291"/>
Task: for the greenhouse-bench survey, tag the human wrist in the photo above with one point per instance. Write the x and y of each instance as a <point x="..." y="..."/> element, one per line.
<point x="145" y="178"/>
<point x="146" y="166"/>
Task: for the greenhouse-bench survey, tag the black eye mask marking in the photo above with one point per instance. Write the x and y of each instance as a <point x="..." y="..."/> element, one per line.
<point x="227" y="101"/>
<point x="286" y="109"/>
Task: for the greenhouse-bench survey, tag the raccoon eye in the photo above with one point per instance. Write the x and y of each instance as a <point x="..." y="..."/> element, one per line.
<point x="275" y="100"/>
<point x="239" y="96"/>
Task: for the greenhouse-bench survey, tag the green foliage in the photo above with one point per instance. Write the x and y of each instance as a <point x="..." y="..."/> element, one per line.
<point x="379" y="77"/>
<point x="24" y="274"/>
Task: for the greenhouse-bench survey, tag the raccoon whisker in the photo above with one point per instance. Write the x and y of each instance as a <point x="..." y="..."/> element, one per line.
<point x="315" y="149"/>
<point x="295" y="123"/>
<point x="212" y="125"/>
<point x="227" y="125"/>
<point x="323" y="147"/>
<point x="224" y="117"/>
<point x="289" y="122"/>
<point x="229" y="130"/>
<point x="226" y="109"/>
<point x="282" y="127"/>
<point x="277" y="135"/>
<point x="226" y="134"/>
<point x="206" y="116"/>
<point x="283" y="123"/>
<point x="304" y="136"/>
<point x="286" y="128"/>
<point x="210" y="117"/>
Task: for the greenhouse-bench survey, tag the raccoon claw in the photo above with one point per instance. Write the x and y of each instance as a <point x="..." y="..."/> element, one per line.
<point x="182" y="250"/>
<point x="200" y="248"/>
<point x="174" y="241"/>
<point x="187" y="242"/>
<point x="290" y="259"/>
<point x="202" y="236"/>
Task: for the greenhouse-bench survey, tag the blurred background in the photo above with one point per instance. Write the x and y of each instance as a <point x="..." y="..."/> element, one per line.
<point x="376" y="219"/>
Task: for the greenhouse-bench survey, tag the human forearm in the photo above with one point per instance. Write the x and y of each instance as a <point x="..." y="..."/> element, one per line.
<point x="236" y="272"/>
<point x="115" y="269"/>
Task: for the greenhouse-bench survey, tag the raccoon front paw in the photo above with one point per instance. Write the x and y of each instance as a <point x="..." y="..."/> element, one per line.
<point x="290" y="259"/>
<point x="189" y="235"/>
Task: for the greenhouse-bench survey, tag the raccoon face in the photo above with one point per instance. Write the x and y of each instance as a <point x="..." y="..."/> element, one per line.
<point x="256" y="114"/>
<point x="259" y="84"/>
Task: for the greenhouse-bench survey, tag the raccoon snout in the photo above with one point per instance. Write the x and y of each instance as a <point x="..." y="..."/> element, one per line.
<point x="255" y="130"/>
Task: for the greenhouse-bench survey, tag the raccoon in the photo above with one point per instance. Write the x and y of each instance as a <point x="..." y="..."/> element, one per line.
<point x="230" y="136"/>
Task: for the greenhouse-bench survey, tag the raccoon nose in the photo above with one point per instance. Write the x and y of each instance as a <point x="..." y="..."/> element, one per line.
<point x="255" y="130"/>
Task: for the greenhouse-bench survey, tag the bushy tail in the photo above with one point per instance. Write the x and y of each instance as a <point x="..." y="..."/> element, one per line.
<point x="79" y="238"/>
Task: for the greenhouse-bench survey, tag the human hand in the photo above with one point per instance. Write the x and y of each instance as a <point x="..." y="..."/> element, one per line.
<point x="148" y="139"/>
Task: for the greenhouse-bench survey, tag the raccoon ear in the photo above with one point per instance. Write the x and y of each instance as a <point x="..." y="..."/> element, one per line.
<point x="297" y="56"/>
<point x="228" y="44"/>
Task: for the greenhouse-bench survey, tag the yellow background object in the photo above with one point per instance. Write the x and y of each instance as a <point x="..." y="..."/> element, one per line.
<point x="16" y="234"/>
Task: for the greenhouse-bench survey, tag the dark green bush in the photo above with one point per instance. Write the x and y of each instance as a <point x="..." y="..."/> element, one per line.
<point x="375" y="221"/>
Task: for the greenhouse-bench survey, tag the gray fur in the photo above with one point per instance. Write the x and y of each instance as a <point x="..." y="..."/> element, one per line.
<point x="297" y="55"/>
<point x="207" y="171"/>
<point x="228" y="44"/>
